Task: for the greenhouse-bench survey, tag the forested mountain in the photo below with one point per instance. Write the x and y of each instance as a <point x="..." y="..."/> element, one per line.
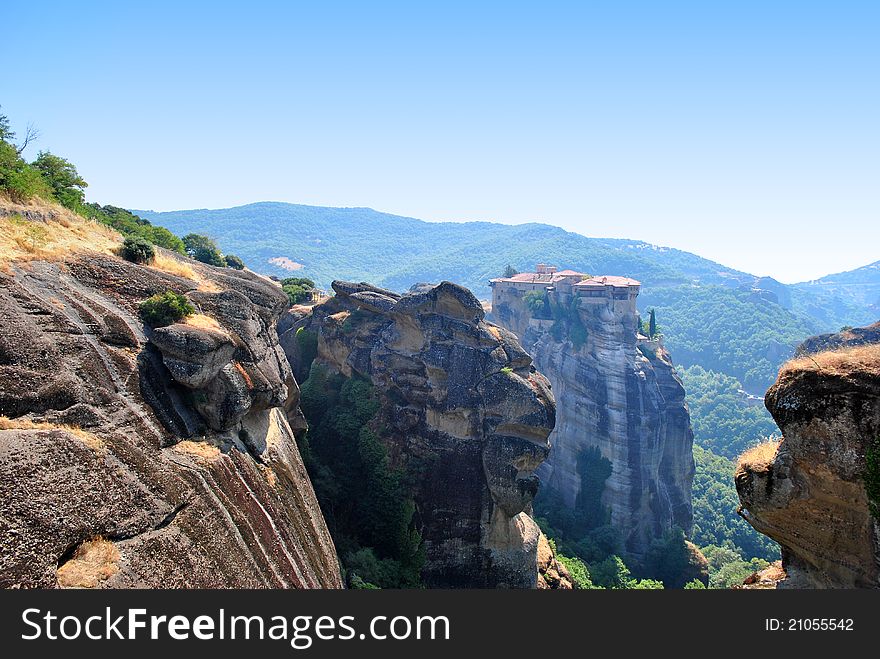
<point x="711" y="315"/>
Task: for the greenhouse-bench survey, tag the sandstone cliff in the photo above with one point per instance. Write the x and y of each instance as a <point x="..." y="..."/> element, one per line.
<point x="617" y="392"/>
<point x="817" y="492"/>
<point x="462" y="407"/>
<point x="138" y="457"/>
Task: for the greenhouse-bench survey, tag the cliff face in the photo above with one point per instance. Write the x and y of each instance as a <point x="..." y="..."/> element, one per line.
<point x="462" y="406"/>
<point x="817" y="495"/>
<point x="622" y="395"/>
<point x="138" y="457"/>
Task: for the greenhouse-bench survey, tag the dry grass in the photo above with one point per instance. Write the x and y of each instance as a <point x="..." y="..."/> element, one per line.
<point x="204" y="322"/>
<point x="861" y="359"/>
<point x="87" y="438"/>
<point x="198" y="449"/>
<point x="758" y="458"/>
<point x="180" y="268"/>
<point x="494" y="331"/>
<point x="63" y="232"/>
<point x="93" y="562"/>
<point x="173" y="267"/>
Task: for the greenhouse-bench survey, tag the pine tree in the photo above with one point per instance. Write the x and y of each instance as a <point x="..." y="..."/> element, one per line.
<point x="652" y="325"/>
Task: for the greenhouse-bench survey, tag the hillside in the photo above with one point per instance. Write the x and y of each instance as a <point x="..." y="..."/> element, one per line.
<point x="397" y="251"/>
<point x="758" y="319"/>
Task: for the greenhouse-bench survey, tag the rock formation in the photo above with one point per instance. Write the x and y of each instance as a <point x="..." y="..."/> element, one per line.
<point x="462" y="406"/>
<point x="139" y="457"/>
<point x="817" y="493"/>
<point x="615" y="390"/>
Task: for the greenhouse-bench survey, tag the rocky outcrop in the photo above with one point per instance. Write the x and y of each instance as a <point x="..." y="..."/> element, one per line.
<point x="461" y="406"/>
<point x="146" y="457"/>
<point x="619" y="392"/>
<point x="856" y="336"/>
<point x="816" y="494"/>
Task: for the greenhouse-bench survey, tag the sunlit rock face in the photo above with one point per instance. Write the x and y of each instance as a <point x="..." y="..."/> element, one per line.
<point x="818" y="494"/>
<point x="462" y="408"/>
<point x="150" y="457"/>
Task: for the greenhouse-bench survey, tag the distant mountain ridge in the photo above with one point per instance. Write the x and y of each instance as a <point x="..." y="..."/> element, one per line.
<point x="308" y="235"/>
<point x="361" y="244"/>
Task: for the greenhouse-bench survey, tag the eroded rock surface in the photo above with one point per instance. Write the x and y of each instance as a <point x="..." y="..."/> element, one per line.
<point x="463" y="407"/>
<point x="172" y="445"/>
<point x="817" y="497"/>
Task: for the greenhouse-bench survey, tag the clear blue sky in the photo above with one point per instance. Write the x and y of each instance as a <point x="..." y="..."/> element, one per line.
<point x="747" y="132"/>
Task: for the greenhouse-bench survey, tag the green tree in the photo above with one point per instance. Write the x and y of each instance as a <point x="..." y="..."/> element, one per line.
<point x="204" y="249"/>
<point x="652" y="324"/>
<point x="537" y="304"/>
<point x="578" y="571"/>
<point x="298" y="289"/>
<point x="6" y="133"/>
<point x="18" y="180"/>
<point x="509" y="271"/>
<point x="232" y="261"/>
<point x="67" y="185"/>
<point x="137" y="250"/>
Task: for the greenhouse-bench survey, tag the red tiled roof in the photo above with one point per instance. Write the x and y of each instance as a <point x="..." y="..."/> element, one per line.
<point x="569" y="273"/>
<point x="609" y="280"/>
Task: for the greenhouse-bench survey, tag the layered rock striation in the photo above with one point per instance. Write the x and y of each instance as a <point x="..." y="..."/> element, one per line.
<point x="463" y="408"/>
<point x="616" y="391"/>
<point x="139" y="457"/>
<point x="817" y="492"/>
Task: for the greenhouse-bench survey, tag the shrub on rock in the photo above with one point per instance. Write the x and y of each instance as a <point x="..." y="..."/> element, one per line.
<point x="137" y="250"/>
<point x="165" y="308"/>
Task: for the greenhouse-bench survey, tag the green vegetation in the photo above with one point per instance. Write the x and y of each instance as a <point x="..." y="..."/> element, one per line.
<point x="614" y="574"/>
<point x="363" y="497"/>
<point x="129" y="224"/>
<point x="308" y="347"/>
<point x="583" y="536"/>
<point x="872" y="476"/>
<point x="203" y="249"/>
<point x="722" y="420"/>
<point x="538" y="304"/>
<point x="137" y="250"/>
<point x="19" y="180"/>
<point x="509" y="271"/>
<point x="578" y="571"/>
<point x="728" y="331"/>
<point x="727" y="568"/>
<point x="733" y="547"/>
<point x="669" y="559"/>
<point x="165" y="308"/>
<point x="67" y="186"/>
<point x="298" y="289"/>
<point x="232" y="261"/>
<point x="567" y="323"/>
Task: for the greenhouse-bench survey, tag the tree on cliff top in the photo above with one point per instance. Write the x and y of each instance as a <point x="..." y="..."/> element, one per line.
<point x="68" y="187"/>
<point x="509" y="271"/>
<point x="203" y="249"/>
